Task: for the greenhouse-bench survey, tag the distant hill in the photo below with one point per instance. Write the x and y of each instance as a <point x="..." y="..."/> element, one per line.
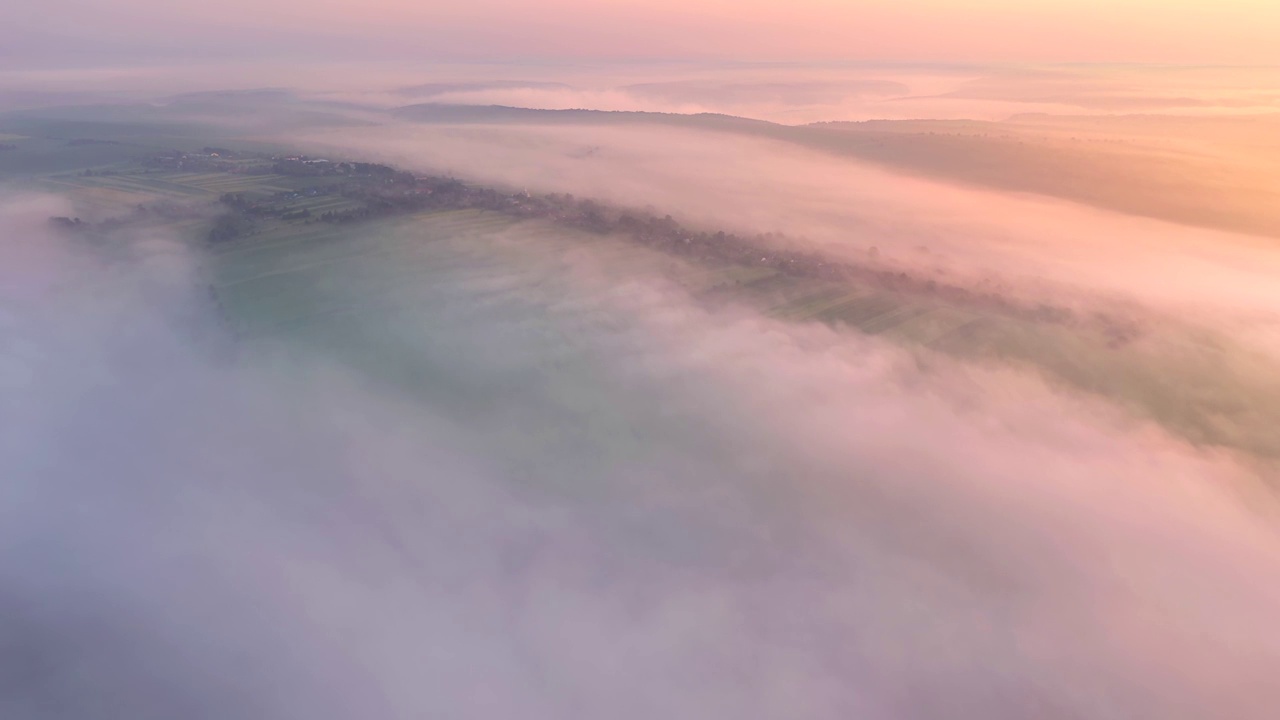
<point x="1132" y="178"/>
<point x="449" y="113"/>
<point x="442" y="88"/>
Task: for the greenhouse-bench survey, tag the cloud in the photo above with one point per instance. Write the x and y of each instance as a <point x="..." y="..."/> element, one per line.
<point x="592" y="497"/>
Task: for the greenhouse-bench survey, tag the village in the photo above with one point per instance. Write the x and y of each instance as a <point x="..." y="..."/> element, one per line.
<point x="381" y="191"/>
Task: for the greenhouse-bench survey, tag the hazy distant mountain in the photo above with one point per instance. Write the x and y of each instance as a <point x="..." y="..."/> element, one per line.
<point x="428" y="90"/>
<point x="452" y="113"/>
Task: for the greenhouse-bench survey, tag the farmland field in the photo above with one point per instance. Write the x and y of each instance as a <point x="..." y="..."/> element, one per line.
<point x="304" y="280"/>
<point x="314" y="282"/>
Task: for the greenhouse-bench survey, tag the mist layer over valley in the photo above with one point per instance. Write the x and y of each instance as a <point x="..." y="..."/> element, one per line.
<point x="290" y="434"/>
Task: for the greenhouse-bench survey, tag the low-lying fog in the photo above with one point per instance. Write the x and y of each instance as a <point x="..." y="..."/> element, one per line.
<point x="541" y="483"/>
<point x="790" y="93"/>
<point x="610" y="502"/>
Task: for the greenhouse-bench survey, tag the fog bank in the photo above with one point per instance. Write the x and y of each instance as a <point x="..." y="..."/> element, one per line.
<point x="593" y="497"/>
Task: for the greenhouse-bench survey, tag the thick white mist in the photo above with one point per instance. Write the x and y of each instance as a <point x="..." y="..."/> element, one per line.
<point x="594" y="499"/>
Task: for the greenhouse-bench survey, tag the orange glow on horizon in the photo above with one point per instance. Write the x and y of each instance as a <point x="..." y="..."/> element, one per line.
<point x="1183" y="31"/>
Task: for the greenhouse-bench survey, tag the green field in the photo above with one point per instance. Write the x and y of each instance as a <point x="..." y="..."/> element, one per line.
<point x="304" y="281"/>
<point x="307" y="280"/>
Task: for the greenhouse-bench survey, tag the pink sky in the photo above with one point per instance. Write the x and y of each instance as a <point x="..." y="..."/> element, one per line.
<point x="1174" y="31"/>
